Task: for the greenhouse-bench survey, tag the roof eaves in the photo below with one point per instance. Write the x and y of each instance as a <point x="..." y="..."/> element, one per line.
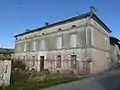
<point x="101" y="23"/>
<point x="57" y="23"/>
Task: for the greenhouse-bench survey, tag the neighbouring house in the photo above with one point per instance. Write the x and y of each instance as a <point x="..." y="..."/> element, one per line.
<point x="115" y="51"/>
<point x="80" y="43"/>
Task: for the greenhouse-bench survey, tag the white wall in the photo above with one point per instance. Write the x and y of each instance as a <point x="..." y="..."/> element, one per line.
<point x="5" y="71"/>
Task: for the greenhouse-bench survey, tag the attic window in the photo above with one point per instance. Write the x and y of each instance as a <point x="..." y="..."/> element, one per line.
<point x="43" y="33"/>
<point x="34" y="35"/>
<point x="74" y="26"/>
<point x="59" y="29"/>
<point x="16" y="38"/>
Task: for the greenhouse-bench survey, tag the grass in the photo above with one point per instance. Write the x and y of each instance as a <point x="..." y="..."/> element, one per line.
<point x="32" y="85"/>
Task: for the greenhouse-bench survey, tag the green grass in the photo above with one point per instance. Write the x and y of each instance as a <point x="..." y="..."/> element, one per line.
<point x="31" y="85"/>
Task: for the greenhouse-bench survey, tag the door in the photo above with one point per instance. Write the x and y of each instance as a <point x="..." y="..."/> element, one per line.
<point x="41" y="63"/>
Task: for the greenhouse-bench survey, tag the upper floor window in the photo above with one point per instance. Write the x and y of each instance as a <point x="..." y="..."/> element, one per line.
<point x="74" y="26"/>
<point x="32" y="45"/>
<point x="16" y="38"/>
<point x="24" y="46"/>
<point x="18" y="47"/>
<point x="42" y="45"/>
<point x="59" y="29"/>
<point x="59" y="42"/>
<point x="73" y="40"/>
<point x="43" y="33"/>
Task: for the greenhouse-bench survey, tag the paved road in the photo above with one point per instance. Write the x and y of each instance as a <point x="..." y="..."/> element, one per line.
<point x="107" y="81"/>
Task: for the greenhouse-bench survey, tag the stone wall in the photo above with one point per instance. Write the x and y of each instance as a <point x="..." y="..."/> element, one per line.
<point x="5" y="72"/>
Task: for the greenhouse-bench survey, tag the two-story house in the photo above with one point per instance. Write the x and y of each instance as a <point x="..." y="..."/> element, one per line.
<point x="78" y="43"/>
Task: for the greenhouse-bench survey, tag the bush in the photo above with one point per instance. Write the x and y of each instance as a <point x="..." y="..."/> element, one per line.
<point x="31" y="85"/>
<point x="40" y="76"/>
<point x="18" y="76"/>
<point x="18" y="64"/>
<point x="18" y="72"/>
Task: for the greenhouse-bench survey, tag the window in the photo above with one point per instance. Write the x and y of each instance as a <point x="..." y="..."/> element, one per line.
<point x="24" y="46"/>
<point x="19" y="47"/>
<point x="58" y="61"/>
<point x="59" y="29"/>
<point x="73" y="62"/>
<point x="73" y="40"/>
<point x="16" y="47"/>
<point x="16" y="38"/>
<point x="36" y="44"/>
<point x="59" y="42"/>
<point x="42" y="45"/>
<point x="33" y="60"/>
<point x="73" y="26"/>
<point x="43" y="33"/>
<point x="24" y="58"/>
<point x="27" y="46"/>
<point x="32" y="45"/>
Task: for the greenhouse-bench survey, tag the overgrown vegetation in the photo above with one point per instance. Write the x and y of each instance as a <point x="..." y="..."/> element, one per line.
<point x="33" y="85"/>
<point x="22" y="79"/>
<point x="18" y="64"/>
<point x="18" y="72"/>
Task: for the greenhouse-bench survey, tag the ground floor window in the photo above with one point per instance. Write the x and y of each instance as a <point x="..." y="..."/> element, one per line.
<point x="58" y="61"/>
<point x="33" y="60"/>
<point x="42" y="59"/>
<point x="73" y="61"/>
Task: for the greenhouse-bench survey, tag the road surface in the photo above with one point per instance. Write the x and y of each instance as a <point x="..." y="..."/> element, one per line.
<point x="106" y="81"/>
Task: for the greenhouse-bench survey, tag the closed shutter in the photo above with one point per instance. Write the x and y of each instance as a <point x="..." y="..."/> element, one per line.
<point x="59" y="42"/>
<point x="73" y="40"/>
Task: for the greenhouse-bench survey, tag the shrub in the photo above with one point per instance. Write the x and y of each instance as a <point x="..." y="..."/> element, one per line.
<point x="18" y="72"/>
<point x="18" y="76"/>
<point x="18" y="64"/>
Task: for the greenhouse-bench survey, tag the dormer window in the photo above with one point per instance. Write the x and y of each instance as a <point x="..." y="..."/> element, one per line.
<point x="59" y="29"/>
<point x="74" y="26"/>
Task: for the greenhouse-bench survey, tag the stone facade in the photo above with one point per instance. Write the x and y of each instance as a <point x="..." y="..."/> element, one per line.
<point x="77" y="44"/>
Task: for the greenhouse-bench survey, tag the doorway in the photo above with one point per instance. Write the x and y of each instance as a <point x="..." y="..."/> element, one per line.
<point x="42" y="63"/>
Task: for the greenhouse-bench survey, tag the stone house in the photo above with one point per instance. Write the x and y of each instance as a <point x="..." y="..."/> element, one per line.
<point x="80" y="43"/>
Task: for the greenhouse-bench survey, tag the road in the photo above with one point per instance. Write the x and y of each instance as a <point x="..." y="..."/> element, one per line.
<point x="106" y="81"/>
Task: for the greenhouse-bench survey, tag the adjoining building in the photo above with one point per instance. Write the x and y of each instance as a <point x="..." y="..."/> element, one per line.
<point x="80" y="43"/>
<point x="115" y="51"/>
